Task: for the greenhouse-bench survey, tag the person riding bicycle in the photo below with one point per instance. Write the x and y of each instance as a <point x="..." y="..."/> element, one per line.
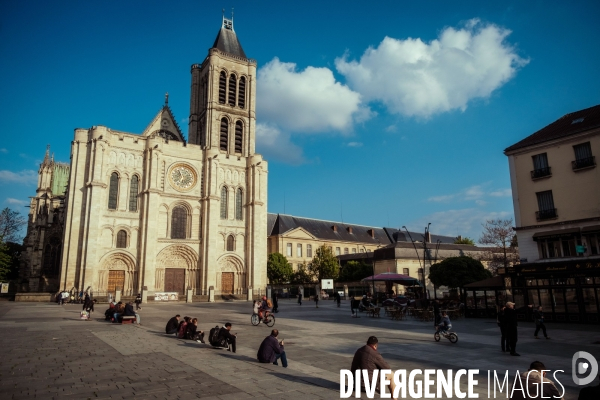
<point x="265" y="306"/>
<point x="445" y="325"/>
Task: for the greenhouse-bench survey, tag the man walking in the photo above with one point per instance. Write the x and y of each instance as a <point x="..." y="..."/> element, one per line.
<point x="538" y="317"/>
<point x="500" y="321"/>
<point x="299" y="298"/>
<point x="510" y="327"/>
<point x="368" y="358"/>
<point x="271" y="350"/>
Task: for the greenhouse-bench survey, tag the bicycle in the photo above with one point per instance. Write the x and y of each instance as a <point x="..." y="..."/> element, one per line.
<point x="269" y="320"/>
<point x="451" y="336"/>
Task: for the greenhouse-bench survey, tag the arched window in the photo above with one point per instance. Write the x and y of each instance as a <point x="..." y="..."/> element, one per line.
<point x="239" y="136"/>
<point x="133" y="193"/>
<point x="179" y="223"/>
<point x="121" y="239"/>
<point x="230" y="243"/>
<point x="238" y="204"/>
<point x="232" y="88"/>
<point x="224" y="202"/>
<point x="242" y="93"/>
<point x="222" y="87"/>
<point x="223" y="139"/>
<point x="113" y="191"/>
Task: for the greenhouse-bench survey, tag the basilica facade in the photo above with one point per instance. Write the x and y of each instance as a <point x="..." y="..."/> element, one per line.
<point x="155" y="212"/>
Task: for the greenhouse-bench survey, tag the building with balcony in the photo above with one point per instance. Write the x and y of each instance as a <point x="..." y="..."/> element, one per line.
<point x="556" y="196"/>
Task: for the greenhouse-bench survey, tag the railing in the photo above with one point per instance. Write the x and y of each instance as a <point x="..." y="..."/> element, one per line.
<point x="546" y="214"/>
<point x="584" y="163"/>
<point x="540" y="173"/>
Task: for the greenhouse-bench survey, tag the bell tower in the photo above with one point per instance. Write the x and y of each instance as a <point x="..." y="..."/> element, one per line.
<point x="233" y="252"/>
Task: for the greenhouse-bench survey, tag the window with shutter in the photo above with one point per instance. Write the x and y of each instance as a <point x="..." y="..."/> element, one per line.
<point x="242" y="93"/>
<point x="222" y="87"/>
<point x="232" y="88"/>
<point x="224" y="137"/>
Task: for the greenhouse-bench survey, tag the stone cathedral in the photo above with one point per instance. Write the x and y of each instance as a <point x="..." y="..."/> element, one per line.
<point x="150" y="210"/>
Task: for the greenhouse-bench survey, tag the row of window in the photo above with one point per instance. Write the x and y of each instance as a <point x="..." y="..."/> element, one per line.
<point x="231" y="91"/>
<point x="309" y="253"/>
<point x="225" y="203"/>
<point x="113" y="192"/>
<point x="583" y="159"/>
<point x="238" y="142"/>
<point x="569" y="247"/>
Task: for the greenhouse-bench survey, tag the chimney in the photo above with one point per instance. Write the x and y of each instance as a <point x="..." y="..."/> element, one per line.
<point x="349" y="229"/>
<point x="428" y="237"/>
<point x="334" y="227"/>
<point x="371" y="232"/>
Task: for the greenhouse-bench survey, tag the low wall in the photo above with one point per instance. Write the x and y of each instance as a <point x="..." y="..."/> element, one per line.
<point x="36" y="297"/>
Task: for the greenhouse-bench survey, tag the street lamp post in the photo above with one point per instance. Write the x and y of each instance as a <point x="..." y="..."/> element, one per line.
<point x="372" y="269"/>
<point x="416" y="251"/>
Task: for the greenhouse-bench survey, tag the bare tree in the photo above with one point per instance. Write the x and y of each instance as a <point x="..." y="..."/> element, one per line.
<point x="499" y="233"/>
<point x="11" y="223"/>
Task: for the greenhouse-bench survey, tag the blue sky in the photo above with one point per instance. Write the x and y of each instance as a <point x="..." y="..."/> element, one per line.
<point x="381" y="113"/>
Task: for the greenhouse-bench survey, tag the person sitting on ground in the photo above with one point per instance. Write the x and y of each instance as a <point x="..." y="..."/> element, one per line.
<point x="118" y="311"/>
<point x="130" y="312"/>
<point x="532" y="384"/>
<point x="182" y="326"/>
<point x="271" y="350"/>
<point x="227" y="338"/>
<point x="172" y="325"/>
<point x="368" y="358"/>
<point x="445" y="324"/>
<point x="264" y="308"/>
<point x="191" y="331"/>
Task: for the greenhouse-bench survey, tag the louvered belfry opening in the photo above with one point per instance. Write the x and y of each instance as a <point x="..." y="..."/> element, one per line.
<point x="232" y="87"/>
<point x="239" y="136"/>
<point x="222" y="87"/>
<point x="242" y="93"/>
<point x="223" y="136"/>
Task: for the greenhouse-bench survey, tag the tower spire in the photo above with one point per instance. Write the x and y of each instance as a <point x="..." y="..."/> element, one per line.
<point x="166" y="98"/>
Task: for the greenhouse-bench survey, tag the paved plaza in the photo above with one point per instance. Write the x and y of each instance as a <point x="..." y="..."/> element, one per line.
<point x="47" y="352"/>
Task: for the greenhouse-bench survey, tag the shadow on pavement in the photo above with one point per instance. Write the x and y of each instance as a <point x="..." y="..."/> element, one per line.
<point x="309" y="379"/>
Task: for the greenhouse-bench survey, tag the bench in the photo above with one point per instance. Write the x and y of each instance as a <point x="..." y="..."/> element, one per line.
<point x="128" y="320"/>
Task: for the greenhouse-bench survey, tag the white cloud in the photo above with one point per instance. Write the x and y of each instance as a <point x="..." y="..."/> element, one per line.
<point x="415" y="78"/>
<point x="355" y="144"/>
<point x="465" y="222"/>
<point x="391" y="128"/>
<point x="275" y="144"/>
<point x="26" y="177"/>
<point x="307" y="101"/>
<point x="501" y="193"/>
<point x="3" y="151"/>
<point x="17" y="202"/>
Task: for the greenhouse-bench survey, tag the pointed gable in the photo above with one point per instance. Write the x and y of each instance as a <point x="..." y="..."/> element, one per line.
<point x="164" y="125"/>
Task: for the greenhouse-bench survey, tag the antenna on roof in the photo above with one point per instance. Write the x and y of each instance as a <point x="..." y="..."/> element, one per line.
<point x="342" y="211"/>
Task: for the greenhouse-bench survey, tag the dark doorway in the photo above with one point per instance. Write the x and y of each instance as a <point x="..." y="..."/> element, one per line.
<point x="175" y="280"/>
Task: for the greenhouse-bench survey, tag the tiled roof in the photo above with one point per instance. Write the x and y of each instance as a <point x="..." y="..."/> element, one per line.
<point x="228" y="42"/>
<point x="569" y="124"/>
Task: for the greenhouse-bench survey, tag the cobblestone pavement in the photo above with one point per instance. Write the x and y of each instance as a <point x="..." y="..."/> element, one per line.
<point x="47" y="352"/>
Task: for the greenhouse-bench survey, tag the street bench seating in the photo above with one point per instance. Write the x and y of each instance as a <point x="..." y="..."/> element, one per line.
<point x="128" y="320"/>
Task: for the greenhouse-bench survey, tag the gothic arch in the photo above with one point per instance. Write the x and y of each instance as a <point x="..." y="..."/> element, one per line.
<point x="119" y="260"/>
<point x="177" y="256"/>
<point x="231" y="263"/>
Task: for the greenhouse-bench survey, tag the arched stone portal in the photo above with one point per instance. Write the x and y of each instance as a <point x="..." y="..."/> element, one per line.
<point x="117" y="272"/>
<point x="177" y="269"/>
<point x="231" y="275"/>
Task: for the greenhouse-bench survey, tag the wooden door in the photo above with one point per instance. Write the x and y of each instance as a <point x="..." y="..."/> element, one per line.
<point x="116" y="281"/>
<point x="175" y="280"/>
<point x="227" y="282"/>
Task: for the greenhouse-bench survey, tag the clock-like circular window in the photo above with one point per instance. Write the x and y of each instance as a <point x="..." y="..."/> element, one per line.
<point x="182" y="177"/>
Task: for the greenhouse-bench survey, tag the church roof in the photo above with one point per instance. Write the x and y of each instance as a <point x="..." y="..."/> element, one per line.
<point x="164" y="124"/>
<point x="227" y="40"/>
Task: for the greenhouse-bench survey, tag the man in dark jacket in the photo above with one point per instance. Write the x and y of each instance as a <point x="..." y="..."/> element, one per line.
<point x="368" y="358"/>
<point x="172" y="325"/>
<point x="437" y="316"/>
<point x="510" y="327"/>
<point x="271" y="350"/>
<point x="500" y="321"/>
<point x="130" y="312"/>
<point x="538" y="318"/>
<point x="225" y="334"/>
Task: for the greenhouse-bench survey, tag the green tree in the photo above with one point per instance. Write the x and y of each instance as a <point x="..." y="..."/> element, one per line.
<point x="455" y="272"/>
<point x="279" y="270"/>
<point x="6" y="262"/>
<point x="464" y="240"/>
<point x="301" y="276"/>
<point x="324" y="264"/>
<point x="355" y="271"/>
